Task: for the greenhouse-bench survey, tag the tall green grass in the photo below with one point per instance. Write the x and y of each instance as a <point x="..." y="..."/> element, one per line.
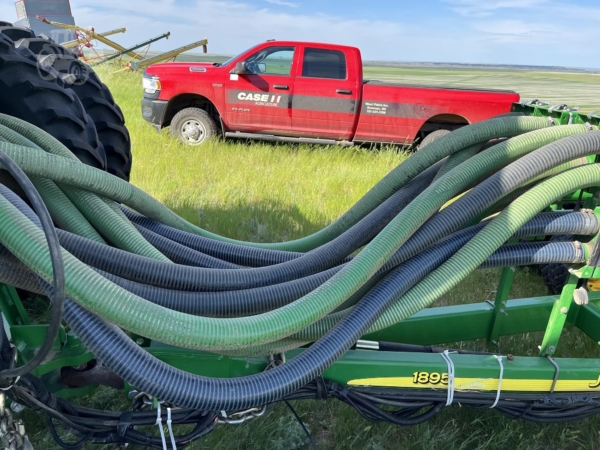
<point x="251" y="191"/>
<point x="266" y="192"/>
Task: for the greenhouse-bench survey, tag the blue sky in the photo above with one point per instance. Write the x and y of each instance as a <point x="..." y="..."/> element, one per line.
<point x="539" y="32"/>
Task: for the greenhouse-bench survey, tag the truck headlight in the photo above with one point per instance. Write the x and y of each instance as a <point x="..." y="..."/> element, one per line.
<point x="151" y="85"/>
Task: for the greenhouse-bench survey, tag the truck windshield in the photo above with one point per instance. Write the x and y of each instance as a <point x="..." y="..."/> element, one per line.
<point x="231" y="59"/>
<point x="236" y="57"/>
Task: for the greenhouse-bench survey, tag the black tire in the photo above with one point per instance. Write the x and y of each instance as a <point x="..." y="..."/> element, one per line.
<point x="95" y="97"/>
<point x="193" y="126"/>
<point x="433" y="136"/>
<point x="30" y="93"/>
<point x="16" y="33"/>
<point x="556" y="275"/>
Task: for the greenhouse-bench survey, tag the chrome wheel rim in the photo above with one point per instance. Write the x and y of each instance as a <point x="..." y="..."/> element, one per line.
<point x="193" y="132"/>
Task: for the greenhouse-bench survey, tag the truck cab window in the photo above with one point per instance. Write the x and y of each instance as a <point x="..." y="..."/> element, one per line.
<point x="320" y="63"/>
<point x="271" y="61"/>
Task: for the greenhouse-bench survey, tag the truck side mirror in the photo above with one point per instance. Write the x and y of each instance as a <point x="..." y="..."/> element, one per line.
<point x="240" y="68"/>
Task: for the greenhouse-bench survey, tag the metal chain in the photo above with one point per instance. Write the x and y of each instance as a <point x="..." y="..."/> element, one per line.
<point x="240" y="417"/>
<point x="12" y="432"/>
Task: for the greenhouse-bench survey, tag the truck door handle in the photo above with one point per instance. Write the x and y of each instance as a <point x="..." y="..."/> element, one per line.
<point x="281" y="86"/>
<point x="344" y="91"/>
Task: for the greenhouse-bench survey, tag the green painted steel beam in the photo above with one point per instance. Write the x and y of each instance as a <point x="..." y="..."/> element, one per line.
<point x="473" y="372"/>
<point x="558" y="318"/>
<point x="396" y="369"/>
<point x="69" y="350"/>
<point x="11" y="306"/>
<point x="468" y="322"/>
<point x="561" y="115"/>
<point x="588" y="321"/>
<point x="504" y="285"/>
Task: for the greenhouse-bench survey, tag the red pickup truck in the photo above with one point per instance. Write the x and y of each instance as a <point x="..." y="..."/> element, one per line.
<point x="305" y="92"/>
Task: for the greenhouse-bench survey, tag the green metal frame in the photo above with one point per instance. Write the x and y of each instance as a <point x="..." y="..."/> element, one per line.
<point x="489" y="320"/>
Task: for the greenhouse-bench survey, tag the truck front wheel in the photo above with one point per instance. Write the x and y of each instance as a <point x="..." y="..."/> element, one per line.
<point x="193" y="126"/>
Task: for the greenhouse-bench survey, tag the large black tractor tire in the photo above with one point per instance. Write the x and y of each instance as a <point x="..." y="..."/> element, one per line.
<point x="93" y="94"/>
<point x="35" y="95"/>
<point x="556" y="275"/>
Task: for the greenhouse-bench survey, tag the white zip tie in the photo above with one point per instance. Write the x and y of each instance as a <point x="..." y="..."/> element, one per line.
<point x="162" y="432"/>
<point x="446" y="356"/>
<point x="170" y="428"/>
<point x="499" y="358"/>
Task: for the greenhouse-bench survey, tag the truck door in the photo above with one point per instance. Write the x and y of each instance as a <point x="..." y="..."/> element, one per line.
<point x="260" y="100"/>
<point x="326" y="94"/>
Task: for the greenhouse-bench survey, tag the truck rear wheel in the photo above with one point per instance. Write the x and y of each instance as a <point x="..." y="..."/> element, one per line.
<point x="433" y="136"/>
<point x="193" y="126"/>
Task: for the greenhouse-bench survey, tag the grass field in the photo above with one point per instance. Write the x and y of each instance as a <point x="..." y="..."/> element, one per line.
<point x="279" y="192"/>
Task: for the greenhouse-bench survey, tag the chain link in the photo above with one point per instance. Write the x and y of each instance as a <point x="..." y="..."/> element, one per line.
<point x="240" y="417"/>
<point x="12" y="432"/>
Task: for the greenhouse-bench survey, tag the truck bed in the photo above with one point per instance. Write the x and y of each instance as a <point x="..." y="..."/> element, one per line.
<point x="429" y="86"/>
<point x="396" y="113"/>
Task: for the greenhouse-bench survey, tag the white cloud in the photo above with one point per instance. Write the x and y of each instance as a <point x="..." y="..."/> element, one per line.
<point x="232" y="26"/>
<point x="283" y="3"/>
<point x="484" y="8"/>
<point x="513" y="31"/>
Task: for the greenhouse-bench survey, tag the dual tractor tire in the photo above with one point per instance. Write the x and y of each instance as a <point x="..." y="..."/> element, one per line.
<point x="45" y="84"/>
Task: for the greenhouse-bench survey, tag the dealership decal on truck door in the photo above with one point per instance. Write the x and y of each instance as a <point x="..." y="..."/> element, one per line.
<point x="376" y="108"/>
<point x="405" y="110"/>
<point x="258" y="99"/>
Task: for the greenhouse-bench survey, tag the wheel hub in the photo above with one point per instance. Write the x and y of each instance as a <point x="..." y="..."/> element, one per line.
<point x="193" y="131"/>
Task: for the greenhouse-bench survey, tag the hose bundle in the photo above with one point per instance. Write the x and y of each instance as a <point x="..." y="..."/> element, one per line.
<point x="132" y="265"/>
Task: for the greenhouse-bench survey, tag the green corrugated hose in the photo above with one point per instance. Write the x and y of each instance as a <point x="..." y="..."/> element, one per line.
<point x="457" y="159"/>
<point x="130" y="312"/>
<point x="476" y="167"/>
<point x="123" y="192"/>
<point x="63" y="212"/>
<point x="76" y="205"/>
<point x="461" y="264"/>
